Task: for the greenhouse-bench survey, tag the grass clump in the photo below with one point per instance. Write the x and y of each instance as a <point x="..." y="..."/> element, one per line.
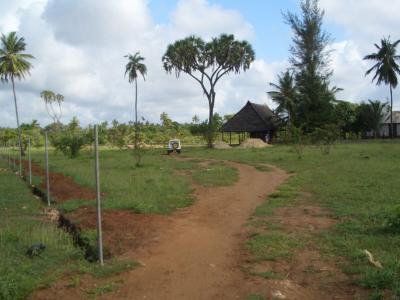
<point x="103" y="289"/>
<point x="272" y="246"/>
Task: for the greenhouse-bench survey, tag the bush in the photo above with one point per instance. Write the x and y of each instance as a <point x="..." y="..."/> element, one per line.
<point x="69" y="144"/>
<point x="325" y="137"/>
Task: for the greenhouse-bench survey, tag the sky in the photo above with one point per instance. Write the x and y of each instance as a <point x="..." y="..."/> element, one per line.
<point x="79" y="48"/>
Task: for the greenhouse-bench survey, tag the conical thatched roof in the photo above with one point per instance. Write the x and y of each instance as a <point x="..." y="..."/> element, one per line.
<point x="251" y="118"/>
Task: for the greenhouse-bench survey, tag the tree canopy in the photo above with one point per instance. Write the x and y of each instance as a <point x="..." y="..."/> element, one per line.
<point x="310" y="64"/>
<point x="208" y="62"/>
<point x="14" y="63"/>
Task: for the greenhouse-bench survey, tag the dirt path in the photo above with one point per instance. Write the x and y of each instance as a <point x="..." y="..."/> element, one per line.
<point x="197" y="256"/>
<point x="198" y="252"/>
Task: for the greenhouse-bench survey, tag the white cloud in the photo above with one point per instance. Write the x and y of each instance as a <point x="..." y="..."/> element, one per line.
<point x="364" y="23"/>
<point x="80" y="45"/>
<point x="200" y="18"/>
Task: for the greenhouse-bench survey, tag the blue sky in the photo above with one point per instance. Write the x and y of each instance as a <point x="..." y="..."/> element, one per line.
<point x="272" y="36"/>
<point x="80" y="45"/>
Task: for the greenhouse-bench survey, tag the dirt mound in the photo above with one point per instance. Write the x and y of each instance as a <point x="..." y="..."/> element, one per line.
<point x="253" y="143"/>
<point x="222" y="145"/>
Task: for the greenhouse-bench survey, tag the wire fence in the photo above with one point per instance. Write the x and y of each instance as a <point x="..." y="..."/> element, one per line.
<point x="12" y="153"/>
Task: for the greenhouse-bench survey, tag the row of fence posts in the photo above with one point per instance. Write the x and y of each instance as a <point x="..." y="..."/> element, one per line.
<point x="10" y="155"/>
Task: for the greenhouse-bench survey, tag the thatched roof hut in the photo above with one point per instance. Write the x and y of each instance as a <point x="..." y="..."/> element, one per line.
<point x="256" y="119"/>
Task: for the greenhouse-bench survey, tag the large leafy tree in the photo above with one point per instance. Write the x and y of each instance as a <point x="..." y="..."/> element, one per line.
<point x="386" y="69"/>
<point x="285" y="95"/>
<point x="14" y="64"/>
<point x="133" y="69"/>
<point x="345" y="116"/>
<point x="310" y="63"/>
<point x="207" y="63"/>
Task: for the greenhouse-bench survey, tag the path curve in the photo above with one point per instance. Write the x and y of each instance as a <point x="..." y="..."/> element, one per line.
<point x="198" y="254"/>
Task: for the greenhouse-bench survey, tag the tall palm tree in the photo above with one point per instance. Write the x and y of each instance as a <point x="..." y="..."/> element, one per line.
<point x="134" y="67"/>
<point x="386" y="69"/>
<point x="14" y="64"/>
<point x="285" y="96"/>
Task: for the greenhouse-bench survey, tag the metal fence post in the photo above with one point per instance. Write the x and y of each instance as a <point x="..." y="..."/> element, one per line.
<point x="20" y="157"/>
<point x="46" y="150"/>
<point x="8" y="153"/>
<point x="29" y="161"/>
<point x="98" y="196"/>
<point x="13" y="155"/>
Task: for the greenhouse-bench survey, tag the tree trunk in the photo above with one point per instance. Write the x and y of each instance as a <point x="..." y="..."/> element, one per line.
<point x="136" y="120"/>
<point x="210" y="120"/>
<point x="17" y="116"/>
<point x="391" y="112"/>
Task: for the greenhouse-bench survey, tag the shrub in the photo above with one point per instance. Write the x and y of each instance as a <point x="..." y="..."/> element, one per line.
<point x="69" y="143"/>
<point x="325" y="137"/>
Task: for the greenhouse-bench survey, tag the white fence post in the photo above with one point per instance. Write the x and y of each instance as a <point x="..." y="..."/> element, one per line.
<point x="98" y="196"/>
<point x="46" y="150"/>
<point x="29" y="161"/>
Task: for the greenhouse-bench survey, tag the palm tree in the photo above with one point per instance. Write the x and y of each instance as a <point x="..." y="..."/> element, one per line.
<point x="14" y="64"/>
<point x="59" y="99"/>
<point x="386" y="69"/>
<point x="48" y="97"/>
<point x="134" y="67"/>
<point x="285" y="96"/>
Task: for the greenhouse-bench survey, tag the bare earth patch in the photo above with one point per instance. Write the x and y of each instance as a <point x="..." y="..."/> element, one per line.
<point x="306" y="275"/>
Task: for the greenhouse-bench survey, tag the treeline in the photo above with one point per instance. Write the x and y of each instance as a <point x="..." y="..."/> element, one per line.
<point x="306" y="100"/>
<point x="71" y="137"/>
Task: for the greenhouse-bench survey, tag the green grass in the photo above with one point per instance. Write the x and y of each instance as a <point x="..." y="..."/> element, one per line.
<point x="158" y="186"/>
<point x="255" y="297"/>
<point x="359" y="183"/>
<point x="22" y="225"/>
<point x="273" y="246"/>
<point x="269" y="275"/>
<point x="103" y="289"/>
<point x="153" y="188"/>
<point x="216" y="174"/>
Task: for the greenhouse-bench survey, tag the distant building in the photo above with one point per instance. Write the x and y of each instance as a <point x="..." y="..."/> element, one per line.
<point x="385" y="132"/>
<point x="385" y="125"/>
<point x="255" y="119"/>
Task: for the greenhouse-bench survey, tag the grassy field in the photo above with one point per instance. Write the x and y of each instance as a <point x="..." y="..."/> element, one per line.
<point x="359" y="183"/>
<point x="161" y="185"/>
<point x="22" y="225"/>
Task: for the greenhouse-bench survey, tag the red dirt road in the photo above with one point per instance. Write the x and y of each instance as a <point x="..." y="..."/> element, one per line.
<point x="198" y="255"/>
